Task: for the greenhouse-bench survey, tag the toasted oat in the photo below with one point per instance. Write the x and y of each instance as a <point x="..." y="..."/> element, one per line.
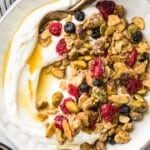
<point x="139" y="22"/>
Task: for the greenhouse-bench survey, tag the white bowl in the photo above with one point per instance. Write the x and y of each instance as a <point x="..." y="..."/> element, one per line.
<point x="9" y="24"/>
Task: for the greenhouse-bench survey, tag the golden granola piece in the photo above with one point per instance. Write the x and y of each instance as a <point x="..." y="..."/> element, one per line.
<point x="140" y="67"/>
<point x="120" y="99"/>
<point x="85" y="146"/>
<point x="80" y="64"/>
<point x="110" y="30"/>
<point x="119" y="10"/>
<point x="139" y="22"/>
<point x="122" y="137"/>
<point x="135" y="116"/>
<point x="98" y="127"/>
<point x="42" y="116"/>
<point x="63" y="85"/>
<point x="103" y="137"/>
<point x="67" y="130"/>
<point x="128" y="127"/>
<point x="100" y="145"/>
<point x="113" y="20"/>
<point x="84" y="118"/>
<point x="143" y="47"/>
<point x="93" y="21"/>
<point x="52" y="111"/>
<point x="50" y="130"/>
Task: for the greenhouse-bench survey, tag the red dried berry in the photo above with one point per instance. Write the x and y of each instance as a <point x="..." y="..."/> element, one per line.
<point x="132" y="58"/>
<point x="97" y="68"/>
<point x="59" y="121"/>
<point x="108" y="112"/>
<point x="61" y="47"/>
<point x="55" y="28"/>
<point x="73" y="90"/>
<point x="92" y="124"/>
<point x="106" y="8"/>
<point x="133" y="85"/>
<point x="63" y="105"/>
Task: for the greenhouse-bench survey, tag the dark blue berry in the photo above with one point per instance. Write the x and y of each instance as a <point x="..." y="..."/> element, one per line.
<point x="125" y="109"/>
<point x="98" y="83"/>
<point x="79" y="15"/>
<point x="70" y="27"/>
<point x="96" y="33"/>
<point x="137" y="37"/>
<point x="111" y="140"/>
<point x="84" y="87"/>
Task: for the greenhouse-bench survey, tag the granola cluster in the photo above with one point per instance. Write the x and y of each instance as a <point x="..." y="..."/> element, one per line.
<point x="108" y="59"/>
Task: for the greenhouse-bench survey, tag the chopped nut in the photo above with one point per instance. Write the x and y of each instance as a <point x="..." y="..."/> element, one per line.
<point x="113" y="20"/>
<point x="45" y="34"/>
<point x="124" y="119"/>
<point x="80" y="64"/>
<point x="50" y="130"/>
<point x="109" y="125"/>
<point x="89" y="78"/>
<point x="146" y="82"/>
<point x="140" y="67"/>
<point x="57" y="98"/>
<point x="67" y="130"/>
<point x="139" y="22"/>
<point x="72" y="107"/>
<point x="68" y="18"/>
<point x="59" y="136"/>
<point x="121" y="99"/>
<point x="44" y="43"/>
<point x="85" y="146"/>
<point x="122" y="137"/>
<point x="57" y="72"/>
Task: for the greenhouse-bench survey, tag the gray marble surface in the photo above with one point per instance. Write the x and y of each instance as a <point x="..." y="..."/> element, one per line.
<point x="4" y="5"/>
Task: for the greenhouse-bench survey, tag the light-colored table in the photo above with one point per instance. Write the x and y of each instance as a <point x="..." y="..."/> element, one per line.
<point x="4" y="5"/>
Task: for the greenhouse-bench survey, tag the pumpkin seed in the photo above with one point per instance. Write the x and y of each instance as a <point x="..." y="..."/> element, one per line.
<point x="72" y="107"/>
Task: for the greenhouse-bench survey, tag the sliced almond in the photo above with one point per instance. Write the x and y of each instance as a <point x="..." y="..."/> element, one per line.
<point x="139" y="22"/>
<point x="113" y="20"/>
<point x="124" y="119"/>
<point x="120" y="99"/>
<point x="50" y="130"/>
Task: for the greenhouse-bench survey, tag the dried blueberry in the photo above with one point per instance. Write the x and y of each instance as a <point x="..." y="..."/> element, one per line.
<point x="137" y="37"/>
<point x="125" y="109"/>
<point x="98" y="83"/>
<point x="70" y="27"/>
<point x="84" y="87"/>
<point x="79" y="15"/>
<point x="111" y="140"/>
<point x="96" y="33"/>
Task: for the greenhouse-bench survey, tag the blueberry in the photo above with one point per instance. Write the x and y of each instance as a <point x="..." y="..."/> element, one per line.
<point x="69" y="27"/>
<point x="84" y="87"/>
<point x="144" y="57"/>
<point x="111" y="140"/>
<point x="125" y="109"/>
<point x="137" y="37"/>
<point x="96" y="33"/>
<point x="79" y="15"/>
<point x="98" y="83"/>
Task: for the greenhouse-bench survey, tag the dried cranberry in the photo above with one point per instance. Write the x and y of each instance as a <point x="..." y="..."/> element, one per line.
<point x="92" y="124"/>
<point x="55" y="28"/>
<point x="106" y="8"/>
<point x="61" y="47"/>
<point x="63" y="105"/>
<point x="108" y="112"/>
<point x="132" y="58"/>
<point x="133" y="85"/>
<point x="59" y="121"/>
<point x="73" y="90"/>
<point x="97" y="68"/>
